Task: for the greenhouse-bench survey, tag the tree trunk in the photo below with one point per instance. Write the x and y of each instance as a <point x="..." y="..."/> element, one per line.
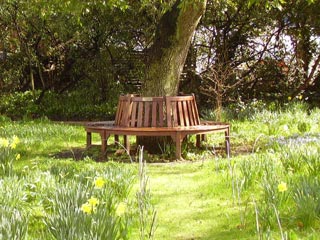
<point x="167" y="55"/>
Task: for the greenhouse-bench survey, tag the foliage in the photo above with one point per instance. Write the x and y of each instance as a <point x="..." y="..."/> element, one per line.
<point x="272" y="48"/>
<point x="82" y="104"/>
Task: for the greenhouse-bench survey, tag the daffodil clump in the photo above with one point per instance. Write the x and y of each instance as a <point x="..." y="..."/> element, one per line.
<point x="90" y="206"/>
<point x="93" y="207"/>
<point x="8" y="155"/>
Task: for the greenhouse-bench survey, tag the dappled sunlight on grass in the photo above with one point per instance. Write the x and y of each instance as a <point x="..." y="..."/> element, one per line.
<point x="189" y="199"/>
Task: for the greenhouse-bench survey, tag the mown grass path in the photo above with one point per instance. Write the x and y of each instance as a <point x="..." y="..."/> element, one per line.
<point x="194" y="201"/>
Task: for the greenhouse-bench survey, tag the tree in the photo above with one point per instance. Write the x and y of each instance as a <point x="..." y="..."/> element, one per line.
<point x="167" y="55"/>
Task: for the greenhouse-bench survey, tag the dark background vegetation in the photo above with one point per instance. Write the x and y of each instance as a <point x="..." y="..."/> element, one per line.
<point x="70" y="61"/>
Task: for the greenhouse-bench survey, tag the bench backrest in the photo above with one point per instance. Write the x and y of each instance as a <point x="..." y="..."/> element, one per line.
<point x="182" y="111"/>
<point x="147" y="112"/>
<point x="177" y="111"/>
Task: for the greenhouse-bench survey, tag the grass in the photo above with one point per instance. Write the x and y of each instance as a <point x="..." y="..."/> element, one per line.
<point x="193" y="202"/>
<point x="206" y="197"/>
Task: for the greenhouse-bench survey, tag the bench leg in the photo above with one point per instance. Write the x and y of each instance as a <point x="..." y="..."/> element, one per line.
<point x="178" y="139"/>
<point x="89" y="139"/>
<point x="227" y="142"/>
<point x="104" y="139"/>
<point x="126" y="143"/>
<point x="200" y="138"/>
<point x="198" y="141"/>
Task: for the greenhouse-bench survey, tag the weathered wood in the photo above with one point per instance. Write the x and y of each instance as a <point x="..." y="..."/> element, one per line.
<point x="141" y="116"/>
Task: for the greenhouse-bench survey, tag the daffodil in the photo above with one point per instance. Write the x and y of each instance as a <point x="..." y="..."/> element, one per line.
<point x="121" y="209"/>
<point x="282" y="187"/>
<point x="13" y="145"/>
<point x="4" y="142"/>
<point x="15" y="141"/>
<point x="99" y="182"/>
<point x="93" y="201"/>
<point x="86" y="208"/>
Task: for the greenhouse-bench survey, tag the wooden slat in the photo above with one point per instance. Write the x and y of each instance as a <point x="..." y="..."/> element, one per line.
<point x="161" y="114"/>
<point x="117" y="119"/>
<point x="146" y="114"/>
<point x="133" y="114"/>
<point x="168" y="112"/>
<point x="185" y="112"/>
<point x="196" y="113"/>
<point x="190" y="113"/>
<point x="174" y="115"/>
<point x="154" y="114"/>
<point x="140" y="114"/>
<point x="180" y="113"/>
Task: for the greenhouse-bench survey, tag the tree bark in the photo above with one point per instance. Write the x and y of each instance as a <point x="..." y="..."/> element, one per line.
<point x="167" y="55"/>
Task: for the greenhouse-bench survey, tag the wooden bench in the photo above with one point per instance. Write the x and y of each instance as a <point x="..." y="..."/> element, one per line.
<point x="175" y="117"/>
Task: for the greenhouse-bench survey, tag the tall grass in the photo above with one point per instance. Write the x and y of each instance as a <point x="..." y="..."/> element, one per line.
<point x="50" y="198"/>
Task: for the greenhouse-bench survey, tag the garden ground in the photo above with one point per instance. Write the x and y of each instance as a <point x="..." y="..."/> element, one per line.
<point x="269" y="189"/>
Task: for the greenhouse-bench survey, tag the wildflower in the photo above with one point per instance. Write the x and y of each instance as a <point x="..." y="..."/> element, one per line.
<point x="289" y="98"/>
<point x="18" y="156"/>
<point x="13" y="145"/>
<point x="15" y="140"/>
<point x="93" y="201"/>
<point x="300" y="97"/>
<point x="86" y="208"/>
<point x="4" y="142"/>
<point x="99" y="182"/>
<point x="282" y="187"/>
<point x="121" y="209"/>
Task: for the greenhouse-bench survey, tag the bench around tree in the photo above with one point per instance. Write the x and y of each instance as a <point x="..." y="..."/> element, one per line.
<point x="175" y="117"/>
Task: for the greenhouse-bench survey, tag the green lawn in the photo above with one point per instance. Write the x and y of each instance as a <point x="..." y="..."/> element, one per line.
<point x="269" y="189"/>
<point x="194" y="202"/>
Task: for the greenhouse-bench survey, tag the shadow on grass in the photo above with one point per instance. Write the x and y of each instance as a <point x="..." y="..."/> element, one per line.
<point x="94" y="153"/>
<point x="74" y="153"/>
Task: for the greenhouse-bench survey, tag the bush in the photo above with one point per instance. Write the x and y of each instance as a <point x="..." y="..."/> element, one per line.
<point x="75" y="105"/>
<point x="19" y="104"/>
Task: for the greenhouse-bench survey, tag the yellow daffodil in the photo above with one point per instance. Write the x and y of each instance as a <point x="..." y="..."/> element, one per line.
<point x="121" y="209"/>
<point x="15" y="140"/>
<point x="282" y="187"/>
<point x="13" y="145"/>
<point x="93" y="201"/>
<point x="4" y="142"/>
<point x="18" y="156"/>
<point x="86" y="208"/>
<point x="99" y="182"/>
